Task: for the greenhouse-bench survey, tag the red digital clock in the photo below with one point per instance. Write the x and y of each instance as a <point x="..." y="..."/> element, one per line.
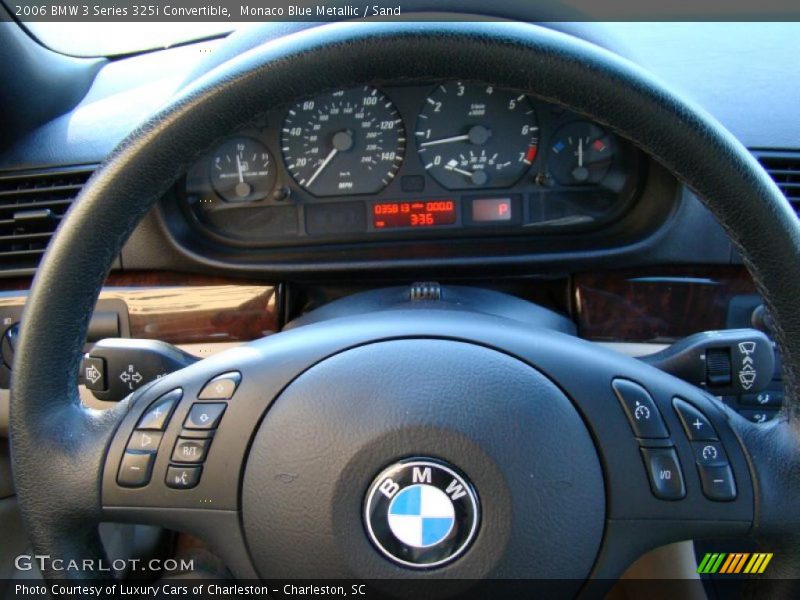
<point x="417" y="213"/>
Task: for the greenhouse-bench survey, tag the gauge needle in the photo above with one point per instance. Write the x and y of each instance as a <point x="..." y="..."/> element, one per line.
<point x="450" y="140"/>
<point x="239" y="168"/>
<point x="455" y="169"/>
<point x="580" y="152"/>
<point x="324" y="164"/>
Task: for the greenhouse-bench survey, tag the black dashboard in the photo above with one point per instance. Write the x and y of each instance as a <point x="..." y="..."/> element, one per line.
<point x="380" y="162"/>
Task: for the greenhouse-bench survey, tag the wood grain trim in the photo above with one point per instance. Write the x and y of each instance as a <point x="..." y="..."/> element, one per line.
<point x="656" y="304"/>
<point x="653" y="304"/>
<point x="185" y="309"/>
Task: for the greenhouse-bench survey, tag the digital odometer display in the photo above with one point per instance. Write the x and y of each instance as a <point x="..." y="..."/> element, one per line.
<point x="422" y="213"/>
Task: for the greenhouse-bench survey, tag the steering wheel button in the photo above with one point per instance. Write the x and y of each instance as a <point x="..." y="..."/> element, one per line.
<point x="664" y="471"/>
<point x="770" y="398"/>
<point x="94" y="373"/>
<point x="205" y="415"/>
<point x="183" y="478"/>
<point x="709" y="454"/>
<point x="158" y="413"/>
<point x="135" y="469"/>
<point x="718" y="483"/>
<point x="144" y="441"/>
<point x="221" y="387"/>
<point x="190" y="450"/>
<point x="641" y="410"/>
<point x="758" y="416"/>
<point x="696" y="425"/>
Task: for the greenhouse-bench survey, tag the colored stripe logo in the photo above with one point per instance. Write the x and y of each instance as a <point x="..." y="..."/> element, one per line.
<point x="734" y="562"/>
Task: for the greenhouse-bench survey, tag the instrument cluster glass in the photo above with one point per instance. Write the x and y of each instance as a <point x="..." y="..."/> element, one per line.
<point x="481" y="160"/>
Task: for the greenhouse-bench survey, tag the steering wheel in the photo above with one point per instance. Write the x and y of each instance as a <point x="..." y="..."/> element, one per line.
<point x="534" y="444"/>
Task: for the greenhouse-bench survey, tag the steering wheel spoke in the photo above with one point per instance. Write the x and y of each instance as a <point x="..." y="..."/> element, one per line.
<point x="675" y="469"/>
<point x="674" y="466"/>
<point x="176" y="459"/>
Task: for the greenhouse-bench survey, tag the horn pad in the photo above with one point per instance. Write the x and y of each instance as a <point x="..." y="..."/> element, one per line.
<point x="500" y="424"/>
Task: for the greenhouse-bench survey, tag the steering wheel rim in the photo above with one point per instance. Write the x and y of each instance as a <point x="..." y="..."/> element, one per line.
<point x="46" y="415"/>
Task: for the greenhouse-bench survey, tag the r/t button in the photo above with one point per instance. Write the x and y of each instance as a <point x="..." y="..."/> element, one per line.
<point x="190" y="450"/>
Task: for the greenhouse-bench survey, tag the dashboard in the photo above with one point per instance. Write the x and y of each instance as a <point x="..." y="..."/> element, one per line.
<point x="444" y="159"/>
<point x="637" y="214"/>
<point x="653" y="221"/>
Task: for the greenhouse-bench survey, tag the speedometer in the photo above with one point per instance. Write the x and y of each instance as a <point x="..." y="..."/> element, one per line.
<point x="476" y="136"/>
<point x="345" y="142"/>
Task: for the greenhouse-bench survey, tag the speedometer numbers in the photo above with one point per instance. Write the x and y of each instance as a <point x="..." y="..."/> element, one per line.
<point x="476" y="136"/>
<point x="346" y="142"/>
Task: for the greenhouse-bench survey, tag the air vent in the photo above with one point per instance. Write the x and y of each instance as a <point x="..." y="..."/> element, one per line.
<point x="784" y="168"/>
<point x="31" y="206"/>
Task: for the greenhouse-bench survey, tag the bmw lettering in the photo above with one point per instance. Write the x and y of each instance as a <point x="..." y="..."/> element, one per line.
<point x="421" y="513"/>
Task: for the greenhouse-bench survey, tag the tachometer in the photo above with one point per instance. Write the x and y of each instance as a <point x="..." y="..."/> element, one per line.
<point x="345" y="142"/>
<point x="476" y="136"/>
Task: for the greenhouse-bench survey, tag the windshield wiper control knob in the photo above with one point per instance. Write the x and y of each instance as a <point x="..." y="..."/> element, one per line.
<point x="115" y="367"/>
<point x="729" y="362"/>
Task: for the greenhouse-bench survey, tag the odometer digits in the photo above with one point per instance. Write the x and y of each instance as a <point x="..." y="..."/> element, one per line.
<point x="344" y="143"/>
<point x="417" y="213"/>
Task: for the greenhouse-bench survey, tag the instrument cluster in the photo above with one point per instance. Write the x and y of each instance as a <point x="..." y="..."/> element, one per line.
<point x="452" y="158"/>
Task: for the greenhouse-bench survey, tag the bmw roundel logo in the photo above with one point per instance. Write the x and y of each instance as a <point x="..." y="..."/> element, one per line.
<point x="421" y="513"/>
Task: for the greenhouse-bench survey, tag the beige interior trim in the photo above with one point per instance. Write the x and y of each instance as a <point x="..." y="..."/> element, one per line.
<point x="649" y="572"/>
<point x="633" y="348"/>
<point x="4" y="400"/>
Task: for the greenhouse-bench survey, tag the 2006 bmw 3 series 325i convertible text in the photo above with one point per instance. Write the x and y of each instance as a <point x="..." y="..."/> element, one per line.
<point x="450" y="301"/>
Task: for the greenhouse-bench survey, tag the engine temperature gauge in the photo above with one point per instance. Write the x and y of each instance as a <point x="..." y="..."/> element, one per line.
<point x="242" y="170"/>
<point x="581" y="154"/>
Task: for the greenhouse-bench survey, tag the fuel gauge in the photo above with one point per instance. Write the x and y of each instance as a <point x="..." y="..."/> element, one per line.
<point x="581" y="154"/>
<point x="242" y="170"/>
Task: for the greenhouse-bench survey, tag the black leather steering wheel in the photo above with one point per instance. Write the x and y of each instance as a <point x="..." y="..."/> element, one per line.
<point x="529" y="415"/>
